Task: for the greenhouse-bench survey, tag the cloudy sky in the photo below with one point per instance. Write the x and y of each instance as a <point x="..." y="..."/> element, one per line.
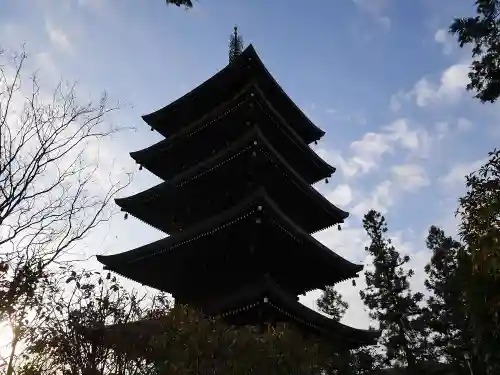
<point x="382" y="77"/>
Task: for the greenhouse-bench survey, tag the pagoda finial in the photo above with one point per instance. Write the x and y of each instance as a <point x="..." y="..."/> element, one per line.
<point x="235" y="45"/>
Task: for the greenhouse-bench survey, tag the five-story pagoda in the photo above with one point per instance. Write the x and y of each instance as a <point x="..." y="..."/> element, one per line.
<point x="238" y="205"/>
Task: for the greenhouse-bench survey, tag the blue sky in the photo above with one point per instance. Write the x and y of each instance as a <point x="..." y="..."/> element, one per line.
<point x="382" y="77"/>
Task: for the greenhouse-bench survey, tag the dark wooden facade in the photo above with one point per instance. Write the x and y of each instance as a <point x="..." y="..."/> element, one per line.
<point x="238" y="205"/>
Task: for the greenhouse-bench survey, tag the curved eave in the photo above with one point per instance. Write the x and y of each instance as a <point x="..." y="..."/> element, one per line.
<point x="142" y="331"/>
<point x="149" y="155"/>
<point x="351" y="269"/>
<point x="152" y="117"/>
<point x="208" y="227"/>
<point x="319" y="132"/>
<point x="310" y="134"/>
<point x="267" y="291"/>
<point x="363" y="336"/>
<point x="193" y="125"/>
<point x="245" y="142"/>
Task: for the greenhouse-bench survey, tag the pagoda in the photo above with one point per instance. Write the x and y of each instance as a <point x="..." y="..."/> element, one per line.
<point x="237" y="205"/>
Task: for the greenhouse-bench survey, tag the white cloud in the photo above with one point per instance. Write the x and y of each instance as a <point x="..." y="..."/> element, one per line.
<point x="58" y="38"/>
<point x="444" y="38"/>
<point x="450" y="88"/>
<point x="404" y="178"/>
<point x="335" y="158"/>
<point x="368" y="151"/>
<point x="410" y="177"/>
<point x="395" y="101"/>
<point x="456" y="176"/>
<point x="444" y="128"/>
<point x="348" y="242"/>
<point x="341" y="195"/>
<point x="380" y="200"/>
<point x="416" y="140"/>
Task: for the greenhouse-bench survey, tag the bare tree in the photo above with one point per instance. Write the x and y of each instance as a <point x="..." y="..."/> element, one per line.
<point x="52" y="191"/>
<point x="57" y="346"/>
<point x="51" y="195"/>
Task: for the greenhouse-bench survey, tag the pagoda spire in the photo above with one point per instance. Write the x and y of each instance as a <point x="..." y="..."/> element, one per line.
<point x="235" y="45"/>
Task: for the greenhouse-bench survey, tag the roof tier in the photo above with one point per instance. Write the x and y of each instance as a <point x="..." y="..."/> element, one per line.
<point x="261" y="302"/>
<point x="224" y="86"/>
<point x="202" y="139"/>
<point x="237" y="246"/>
<point x="264" y="301"/>
<point x="227" y="178"/>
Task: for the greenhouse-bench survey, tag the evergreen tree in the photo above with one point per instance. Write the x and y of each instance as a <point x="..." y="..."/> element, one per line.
<point x="480" y="232"/>
<point x="364" y="361"/>
<point x="445" y="313"/>
<point x="332" y="304"/>
<point x="355" y="362"/>
<point x="389" y="298"/>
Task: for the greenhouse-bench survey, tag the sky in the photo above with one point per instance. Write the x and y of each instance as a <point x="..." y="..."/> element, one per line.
<point x="382" y="77"/>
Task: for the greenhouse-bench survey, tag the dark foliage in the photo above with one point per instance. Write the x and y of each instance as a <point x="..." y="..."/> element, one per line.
<point x="480" y="233"/>
<point x="482" y="32"/>
<point x="331" y="303"/>
<point x="389" y="298"/>
<point x="184" y="3"/>
<point x="445" y="314"/>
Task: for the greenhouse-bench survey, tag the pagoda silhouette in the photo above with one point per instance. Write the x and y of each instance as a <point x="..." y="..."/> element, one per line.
<point x="237" y="204"/>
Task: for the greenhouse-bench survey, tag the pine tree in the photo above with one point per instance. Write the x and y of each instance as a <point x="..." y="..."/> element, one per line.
<point x="332" y="304"/>
<point x="355" y="362"/>
<point x="364" y="361"/>
<point x="445" y="313"/>
<point x="389" y="298"/>
<point x="235" y="45"/>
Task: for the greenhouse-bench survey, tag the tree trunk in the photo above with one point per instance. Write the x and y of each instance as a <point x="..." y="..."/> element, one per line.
<point x="410" y="358"/>
<point x="10" y="366"/>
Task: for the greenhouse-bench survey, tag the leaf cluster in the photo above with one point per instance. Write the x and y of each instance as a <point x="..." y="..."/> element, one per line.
<point x="388" y="295"/>
<point x="480" y="233"/>
<point x="179" y="3"/>
<point x="482" y="32"/>
<point x="332" y="304"/>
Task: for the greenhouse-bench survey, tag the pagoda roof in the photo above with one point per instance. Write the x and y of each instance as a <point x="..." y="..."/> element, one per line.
<point x="234" y="245"/>
<point x="153" y="205"/>
<point x="240" y="306"/>
<point x="163" y="158"/>
<point x="247" y="67"/>
<point x="264" y="297"/>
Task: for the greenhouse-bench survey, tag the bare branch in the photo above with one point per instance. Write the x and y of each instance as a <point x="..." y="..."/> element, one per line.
<point x="53" y="190"/>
